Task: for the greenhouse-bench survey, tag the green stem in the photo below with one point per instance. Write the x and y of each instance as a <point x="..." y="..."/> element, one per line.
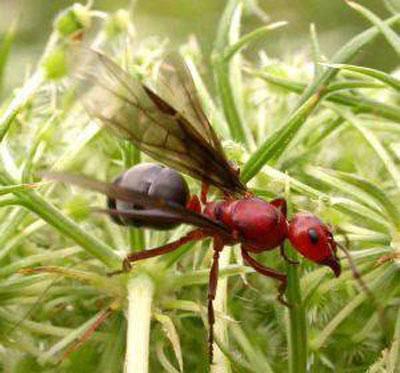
<point x="221" y="362"/>
<point x="297" y="331"/>
<point x="136" y="236"/>
<point x="140" y="297"/>
<point x="19" y="101"/>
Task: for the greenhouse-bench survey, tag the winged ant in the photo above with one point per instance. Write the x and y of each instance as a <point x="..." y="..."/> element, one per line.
<point x="168" y="123"/>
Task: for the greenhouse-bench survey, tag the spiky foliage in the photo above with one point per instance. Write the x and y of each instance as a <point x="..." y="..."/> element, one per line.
<point x="326" y="137"/>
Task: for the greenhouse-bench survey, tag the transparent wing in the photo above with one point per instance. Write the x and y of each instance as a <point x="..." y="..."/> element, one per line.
<point x="166" y="210"/>
<point x="169" y="125"/>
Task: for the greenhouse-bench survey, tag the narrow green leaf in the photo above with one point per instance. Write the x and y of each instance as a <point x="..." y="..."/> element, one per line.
<point x="16" y="188"/>
<point x="224" y="71"/>
<point x="344" y="55"/>
<point x="275" y="146"/>
<point x="392" y="6"/>
<point x="373" y="73"/>
<point x="171" y="333"/>
<point x="5" y="48"/>
<point x="394" y="353"/>
<point x="346" y="206"/>
<point x="360" y="104"/>
<point x="162" y="358"/>
<point x="316" y="51"/>
<point x="389" y="34"/>
<point x="372" y="190"/>
<point x="251" y="37"/>
<point x="259" y="361"/>
<point x="53" y="353"/>
<point x="381" y="281"/>
<point x="387" y="160"/>
<point x="39" y="205"/>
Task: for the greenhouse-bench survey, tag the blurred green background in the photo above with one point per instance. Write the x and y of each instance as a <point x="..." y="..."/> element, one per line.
<point x="176" y="19"/>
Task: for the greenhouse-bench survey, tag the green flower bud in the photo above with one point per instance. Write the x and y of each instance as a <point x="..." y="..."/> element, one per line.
<point x="72" y="20"/>
<point x="117" y="23"/>
<point x="55" y="64"/>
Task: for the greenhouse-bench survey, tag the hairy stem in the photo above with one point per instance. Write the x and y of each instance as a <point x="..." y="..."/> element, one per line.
<point x="140" y="298"/>
<point x="221" y="362"/>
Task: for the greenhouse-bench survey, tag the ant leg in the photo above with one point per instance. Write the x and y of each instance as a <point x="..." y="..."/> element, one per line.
<point x="212" y="290"/>
<point x="195" y="235"/>
<point x="204" y="191"/>
<point x="283" y="253"/>
<point x="268" y="272"/>
<point x="280" y="204"/>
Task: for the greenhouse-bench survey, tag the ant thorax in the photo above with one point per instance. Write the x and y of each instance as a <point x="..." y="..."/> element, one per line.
<point x="258" y="224"/>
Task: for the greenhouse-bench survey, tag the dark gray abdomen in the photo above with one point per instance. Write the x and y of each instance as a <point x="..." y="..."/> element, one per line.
<point x="153" y="180"/>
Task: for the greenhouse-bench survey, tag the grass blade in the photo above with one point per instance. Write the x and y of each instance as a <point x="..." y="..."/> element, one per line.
<point x="389" y="34"/>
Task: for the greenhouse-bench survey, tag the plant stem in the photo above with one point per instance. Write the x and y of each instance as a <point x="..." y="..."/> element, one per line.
<point x="19" y="101"/>
<point x="140" y="296"/>
<point x="221" y="363"/>
<point x="297" y="332"/>
<point x="297" y="327"/>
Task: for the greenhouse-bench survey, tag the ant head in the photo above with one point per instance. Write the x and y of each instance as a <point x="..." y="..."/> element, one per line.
<point x="314" y="240"/>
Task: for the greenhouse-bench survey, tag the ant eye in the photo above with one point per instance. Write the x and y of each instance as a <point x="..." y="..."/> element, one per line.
<point x="312" y="233"/>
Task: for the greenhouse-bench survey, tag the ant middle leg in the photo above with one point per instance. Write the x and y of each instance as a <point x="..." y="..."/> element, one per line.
<point x="212" y="291"/>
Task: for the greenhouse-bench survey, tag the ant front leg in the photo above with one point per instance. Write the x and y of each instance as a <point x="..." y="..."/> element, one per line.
<point x="283" y="253"/>
<point x="195" y="235"/>
<point x="268" y="272"/>
<point x="212" y="290"/>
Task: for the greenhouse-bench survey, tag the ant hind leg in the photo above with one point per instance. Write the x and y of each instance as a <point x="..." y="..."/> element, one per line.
<point x="195" y="235"/>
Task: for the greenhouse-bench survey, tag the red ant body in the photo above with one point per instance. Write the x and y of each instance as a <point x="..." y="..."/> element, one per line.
<point x="171" y="127"/>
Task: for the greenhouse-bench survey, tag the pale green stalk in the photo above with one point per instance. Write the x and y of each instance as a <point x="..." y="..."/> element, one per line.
<point x="140" y="297"/>
<point x="221" y="363"/>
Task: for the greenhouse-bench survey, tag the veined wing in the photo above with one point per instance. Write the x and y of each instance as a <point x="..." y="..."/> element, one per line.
<point x="166" y="122"/>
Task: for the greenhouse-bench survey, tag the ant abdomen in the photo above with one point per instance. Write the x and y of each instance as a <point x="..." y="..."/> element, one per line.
<point x="156" y="181"/>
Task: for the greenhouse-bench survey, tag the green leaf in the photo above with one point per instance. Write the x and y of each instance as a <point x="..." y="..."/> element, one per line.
<point x="372" y="191"/>
<point x="316" y="51"/>
<point x="369" y="136"/>
<point x="5" y="48"/>
<point x="225" y="71"/>
<point x="373" y="73"/>
<point x="276" y="145"/>
<point x="389" y="34"/>
<point x="251" y="37"/>
<point x="344" y="55"/>
<point x="360" y="104"/>
<point x="171" y="333"/>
